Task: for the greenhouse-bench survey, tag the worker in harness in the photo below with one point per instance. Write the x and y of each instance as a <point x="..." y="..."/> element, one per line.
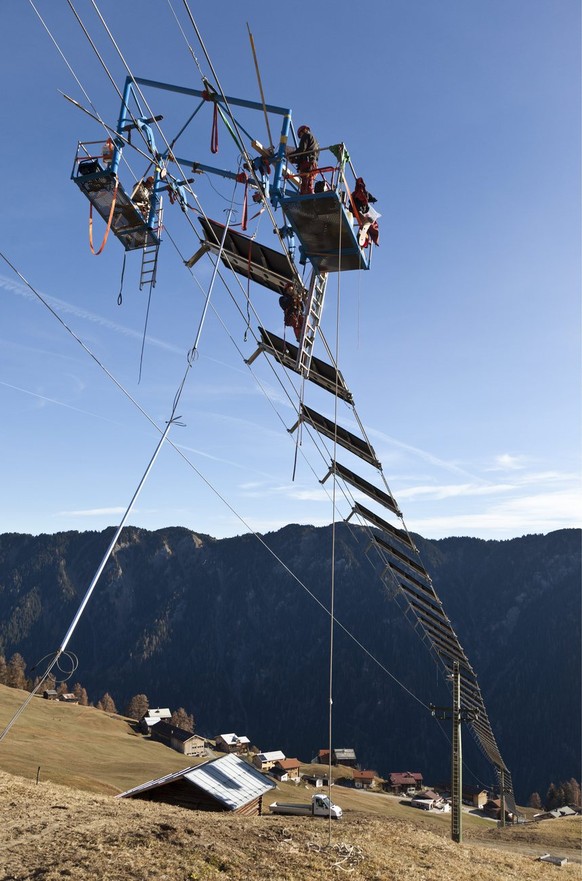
<point x="305" y="158"/>
<point x="292" y="304"/>
<point x="142" y="194"/>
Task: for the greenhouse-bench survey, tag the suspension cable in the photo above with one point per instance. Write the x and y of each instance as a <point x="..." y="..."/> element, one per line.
<point x="218" y="494"/>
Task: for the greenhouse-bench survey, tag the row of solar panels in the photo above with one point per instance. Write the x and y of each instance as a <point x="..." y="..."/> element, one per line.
<point x="400" y="556"/>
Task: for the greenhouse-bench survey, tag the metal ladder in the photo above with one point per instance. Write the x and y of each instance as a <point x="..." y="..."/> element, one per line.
<point x="149" y="256"/>
<point x="311" y="323"/>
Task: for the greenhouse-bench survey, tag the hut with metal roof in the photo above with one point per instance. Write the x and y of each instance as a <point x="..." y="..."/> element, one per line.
<point x="177" y="738"/>
<point x="224" y="784"/>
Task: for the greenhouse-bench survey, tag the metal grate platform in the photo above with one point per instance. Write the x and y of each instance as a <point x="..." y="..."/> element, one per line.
<point x="127" y="224"/>
<point x="324" y="229"/>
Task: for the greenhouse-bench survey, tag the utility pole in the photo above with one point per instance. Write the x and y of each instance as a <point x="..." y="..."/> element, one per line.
<point x="502" y="796"/>
<point x="456" y="715"/>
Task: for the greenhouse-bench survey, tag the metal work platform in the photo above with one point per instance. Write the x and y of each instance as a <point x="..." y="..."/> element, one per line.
<point x="325" y="230"/>
<point x="127" y="222"/>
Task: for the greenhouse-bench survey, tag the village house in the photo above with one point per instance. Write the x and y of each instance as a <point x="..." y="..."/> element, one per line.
<point x="345" y="757"/>
<point x="265" y="761"/>
<point x="49" y="694"/>
<point x="224" y="784"/>
<point x="366" y="779"/>
<point x="286" y="769"/>
<point x="232" y="743"/>
<point x="68" y="698"/>
<point x="492" y="808"/>
<point x="152" y="717"/>
<point x="403" y="782"/>
<point x="475" y="796"/>
<point x="176" y="738"/>
<point x="314" y="780"/>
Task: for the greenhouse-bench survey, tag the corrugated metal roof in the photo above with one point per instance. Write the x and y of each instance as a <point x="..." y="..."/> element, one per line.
<point x="274" y="756"/>
<point x="228" y="779"/>
<point x="344" y="754"/>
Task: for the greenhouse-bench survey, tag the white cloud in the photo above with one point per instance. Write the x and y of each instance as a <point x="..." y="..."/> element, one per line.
<point x="539" y="513"/>
<point x="61" y="306"/>
<point x="507" y="462"/>
<point x="448" y="491"/>
<point x="92" y="512"/>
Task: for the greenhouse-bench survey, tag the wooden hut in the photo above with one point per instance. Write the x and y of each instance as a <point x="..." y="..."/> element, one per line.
<point x="224" y="784"/>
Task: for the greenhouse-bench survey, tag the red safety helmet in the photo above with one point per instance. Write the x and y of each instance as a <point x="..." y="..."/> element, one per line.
<point x="302" y="129"/>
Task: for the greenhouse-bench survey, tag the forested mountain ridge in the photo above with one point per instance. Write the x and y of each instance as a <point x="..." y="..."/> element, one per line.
<point x="220" y="627"/>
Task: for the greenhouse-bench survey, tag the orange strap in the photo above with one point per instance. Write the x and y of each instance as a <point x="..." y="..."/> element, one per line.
<point x="93" y="251"/>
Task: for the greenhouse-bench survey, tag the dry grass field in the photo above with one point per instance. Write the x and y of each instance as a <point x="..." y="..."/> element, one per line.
<point x="78" y="831"/>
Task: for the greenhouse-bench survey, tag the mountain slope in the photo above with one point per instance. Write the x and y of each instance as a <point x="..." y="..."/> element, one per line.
<point x="223" y="629"/>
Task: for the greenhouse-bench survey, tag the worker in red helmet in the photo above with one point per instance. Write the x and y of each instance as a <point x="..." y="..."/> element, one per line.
<point x="305" y="158"/>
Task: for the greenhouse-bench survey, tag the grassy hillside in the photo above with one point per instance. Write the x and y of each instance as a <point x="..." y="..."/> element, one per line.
<point x="79" y="746"/>
<point x="79" y="831"/>
<point x="52" y="832"/>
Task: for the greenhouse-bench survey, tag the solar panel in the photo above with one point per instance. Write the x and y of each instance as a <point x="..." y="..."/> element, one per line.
<point x="364" y="486"/>
<point x="344" y="437"/>
<point x="375" y="520"/>
<point x="392" y="550"/>
<point x="324" y="375"/>
<point x="244" y="255"/>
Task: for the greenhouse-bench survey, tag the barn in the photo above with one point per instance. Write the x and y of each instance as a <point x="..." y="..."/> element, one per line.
<point x="224" y="784"/>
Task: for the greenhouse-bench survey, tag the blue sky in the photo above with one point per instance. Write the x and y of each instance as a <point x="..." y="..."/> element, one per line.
<point x="461" y="345"/>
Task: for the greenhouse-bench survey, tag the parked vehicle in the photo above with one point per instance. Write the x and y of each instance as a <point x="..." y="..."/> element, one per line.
<point x="321" y="806"/>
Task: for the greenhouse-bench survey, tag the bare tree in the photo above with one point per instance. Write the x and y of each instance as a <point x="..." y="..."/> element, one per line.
<point x="535" y="800"/>
<point x="137" y="707"/>
<point x="16" y="677"/>
<point x="181" y="719"/>
<point x="107" y="704"/>
<point x="571" y="792"/>
<point x="3" y="671"/>
<point x="81" y="694"/>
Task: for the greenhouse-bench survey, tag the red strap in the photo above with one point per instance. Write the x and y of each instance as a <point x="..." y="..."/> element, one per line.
<point x="214" y="135"/>
<point x="93" y="251"/>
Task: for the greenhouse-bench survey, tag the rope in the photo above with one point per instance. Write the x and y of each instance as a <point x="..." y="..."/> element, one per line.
<point x="333" y="527"/>
<point x="120" y="294"/>
<point x="108" y="227"/>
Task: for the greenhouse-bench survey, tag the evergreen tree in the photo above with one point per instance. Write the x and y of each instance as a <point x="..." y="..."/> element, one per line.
<point x="81" y="694"/>
<point x="181" y="719"/>
<point x="63" y="688"/>
<point x="137" y="707"/>
<point x="535" y="800"/>
<point x="107" y="704"/>
<point x="16" y="677"/>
